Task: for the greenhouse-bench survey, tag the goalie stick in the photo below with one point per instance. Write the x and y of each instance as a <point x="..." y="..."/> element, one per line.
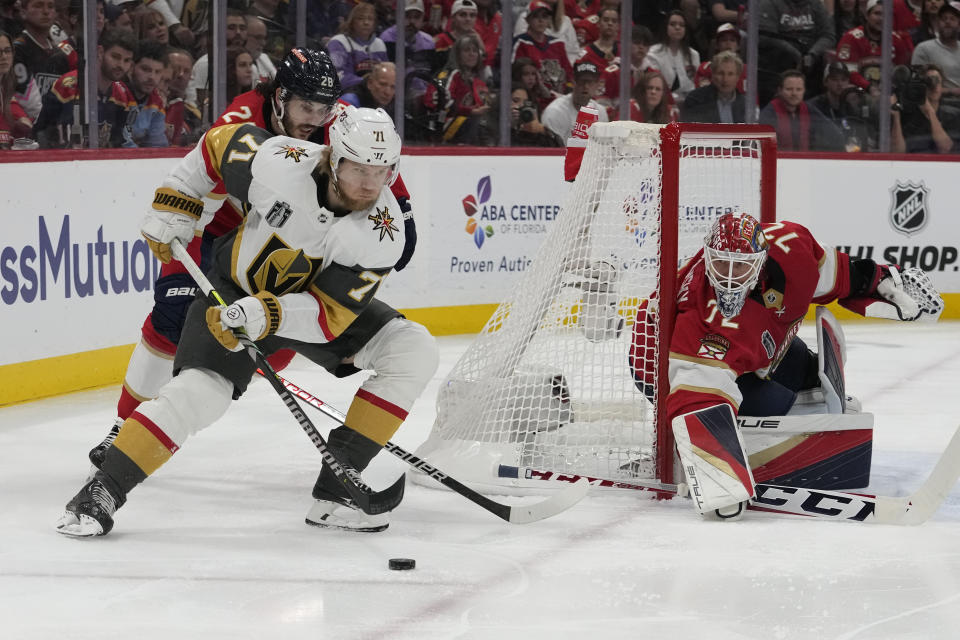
<point x="516" y="514"/>
<point x="368" y="501"/>
<point x="913" y="509"/>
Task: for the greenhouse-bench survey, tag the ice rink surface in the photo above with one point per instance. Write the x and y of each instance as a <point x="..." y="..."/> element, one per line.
<point x="214" y="545"/>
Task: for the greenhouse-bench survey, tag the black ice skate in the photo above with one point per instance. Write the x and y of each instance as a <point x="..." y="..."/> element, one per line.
<point x="333" y="509"/>
<point x="90" y="513"/>
<point x="97" y="454"/>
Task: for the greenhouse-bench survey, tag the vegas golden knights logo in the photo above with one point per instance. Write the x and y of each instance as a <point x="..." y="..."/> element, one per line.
<point x="280" y="269"/>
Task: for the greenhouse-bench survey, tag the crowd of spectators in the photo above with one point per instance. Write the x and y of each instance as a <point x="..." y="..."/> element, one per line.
<point x="818" y="76"/>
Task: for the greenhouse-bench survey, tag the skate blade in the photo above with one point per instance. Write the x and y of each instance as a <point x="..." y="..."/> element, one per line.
<point x="327" y="525"/>
<point x="78" y="527"/>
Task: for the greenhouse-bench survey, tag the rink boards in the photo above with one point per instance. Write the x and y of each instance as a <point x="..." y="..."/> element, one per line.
<point x="76" y="280"/>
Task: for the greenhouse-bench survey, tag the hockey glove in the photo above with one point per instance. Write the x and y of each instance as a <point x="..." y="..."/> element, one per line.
<point x="409" y="236"/>
<point x="257" y="316"/>
<point x="174" y="216"/>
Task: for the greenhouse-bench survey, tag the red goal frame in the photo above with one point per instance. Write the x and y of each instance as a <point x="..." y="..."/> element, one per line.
<point x="672" y="136"/>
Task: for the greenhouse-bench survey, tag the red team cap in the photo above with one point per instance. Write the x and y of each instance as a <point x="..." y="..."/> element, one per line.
<point x="735" y="251"/>
<point x="537" y="5"/>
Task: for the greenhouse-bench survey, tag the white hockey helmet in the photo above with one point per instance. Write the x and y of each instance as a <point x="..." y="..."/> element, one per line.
<point x="366" y="136"/>
<point x="735" y="251"/>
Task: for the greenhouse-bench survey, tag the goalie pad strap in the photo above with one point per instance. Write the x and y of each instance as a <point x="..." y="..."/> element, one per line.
<point x="711" y="450"/>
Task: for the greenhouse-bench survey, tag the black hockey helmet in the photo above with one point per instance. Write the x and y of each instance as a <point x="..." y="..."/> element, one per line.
<point x="308" y="74"/>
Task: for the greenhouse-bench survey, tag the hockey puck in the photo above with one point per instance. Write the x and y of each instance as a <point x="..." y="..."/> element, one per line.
<point x="402" y="564"/>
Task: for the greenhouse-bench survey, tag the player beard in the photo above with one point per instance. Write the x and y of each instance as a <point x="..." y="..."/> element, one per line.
<point x="354" y="204"/>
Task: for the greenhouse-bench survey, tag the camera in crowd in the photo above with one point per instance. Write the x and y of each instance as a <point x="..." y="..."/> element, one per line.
<point x="910" y="86"/>
<point x="528" y="112"/>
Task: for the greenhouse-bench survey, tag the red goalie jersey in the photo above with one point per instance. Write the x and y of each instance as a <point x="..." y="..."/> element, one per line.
<point x="708" y="352"/>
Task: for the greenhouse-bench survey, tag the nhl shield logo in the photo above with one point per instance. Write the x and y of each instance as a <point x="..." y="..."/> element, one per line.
<point x="908" y="208"/>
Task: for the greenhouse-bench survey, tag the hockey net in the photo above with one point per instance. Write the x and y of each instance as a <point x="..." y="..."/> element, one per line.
<point x="546" y="384"/>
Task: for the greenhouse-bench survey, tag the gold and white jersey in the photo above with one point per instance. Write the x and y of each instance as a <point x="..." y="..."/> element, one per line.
<point x="324" y="267"/>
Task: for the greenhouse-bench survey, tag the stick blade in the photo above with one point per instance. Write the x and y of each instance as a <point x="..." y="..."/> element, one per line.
<point x="377" y="502"/>
<point x="557" y="503"/>
<point x="920" y="507"/>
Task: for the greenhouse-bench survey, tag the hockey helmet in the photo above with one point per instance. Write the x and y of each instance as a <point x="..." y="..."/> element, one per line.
<point x="734" y="251"/>
<point x="308" y="74"/>
<point x="366" y="136"/>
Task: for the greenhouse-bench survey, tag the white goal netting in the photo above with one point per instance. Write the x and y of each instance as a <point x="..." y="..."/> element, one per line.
<point x="546" y="384"/>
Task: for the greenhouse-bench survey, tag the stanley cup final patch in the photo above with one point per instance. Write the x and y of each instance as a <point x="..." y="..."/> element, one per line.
<point x="713" y="346"/>
<point x="278" y="214"/>
<point x="908" y="207"/>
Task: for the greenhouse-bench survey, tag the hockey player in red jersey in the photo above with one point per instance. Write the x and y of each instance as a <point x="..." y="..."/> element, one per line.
<point x="301" y="273"/>
<point x="734" y="349"/>
<point x="300" y="103"/>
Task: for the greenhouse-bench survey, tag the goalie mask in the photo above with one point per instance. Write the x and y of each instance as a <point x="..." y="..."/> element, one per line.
<point x="365" y="136"/>
<point x="734" y="253"/>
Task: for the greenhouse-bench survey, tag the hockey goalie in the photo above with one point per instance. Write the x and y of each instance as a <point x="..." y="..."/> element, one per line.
<point x="734" y="349"/>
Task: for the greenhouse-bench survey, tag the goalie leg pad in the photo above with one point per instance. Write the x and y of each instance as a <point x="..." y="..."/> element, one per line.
<point x="711" y="451"/>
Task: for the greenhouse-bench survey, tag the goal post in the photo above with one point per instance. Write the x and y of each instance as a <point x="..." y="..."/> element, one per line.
<point x="547" y="383"/>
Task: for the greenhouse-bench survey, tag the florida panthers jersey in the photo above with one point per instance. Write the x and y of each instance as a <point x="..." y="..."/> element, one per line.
<point x="709" y="352"/>
<point x="326" y="265"/>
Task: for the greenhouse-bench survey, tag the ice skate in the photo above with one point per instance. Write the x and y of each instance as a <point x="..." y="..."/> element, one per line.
<point x="97" y="454"/>
<point x="90" y="513"/>
<point x="342" y="514"/>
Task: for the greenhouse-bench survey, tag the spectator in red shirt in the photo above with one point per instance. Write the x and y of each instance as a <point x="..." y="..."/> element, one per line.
<point x="463" y="19"/>
<point x="859" y="48"/>
<point x="582" y="8"/>
<point x="605" y="49"/>
<point x="14" y="122"/>
<point x="489" y="25"/>
<point x="468" y="97"/>
<point x="800" y="127"/>
<point x="548" y="53"/>
<point x="587" y="30"/>
<point x="641" y="39"/>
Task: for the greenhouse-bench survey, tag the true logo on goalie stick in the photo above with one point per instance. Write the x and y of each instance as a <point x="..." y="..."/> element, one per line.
<point x="279" y="214"/>
<point x="908" y="207"/>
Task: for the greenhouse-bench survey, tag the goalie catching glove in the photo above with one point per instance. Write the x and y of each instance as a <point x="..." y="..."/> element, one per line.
<point x="903" y="295"/>
<point x="257" y="316"/>
<point x="174" y="216"/>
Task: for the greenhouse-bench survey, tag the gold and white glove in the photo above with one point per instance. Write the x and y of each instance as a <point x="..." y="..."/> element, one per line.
<point x="257" y="316"/>
<point x="174" y="216"/>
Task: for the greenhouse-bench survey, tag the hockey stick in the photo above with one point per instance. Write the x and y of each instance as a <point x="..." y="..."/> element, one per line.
<point x="833" y="505"/>
<point x="371" y="502"/>
<point x="516" y="514"/>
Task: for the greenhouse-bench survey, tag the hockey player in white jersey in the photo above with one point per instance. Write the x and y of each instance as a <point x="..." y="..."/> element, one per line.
<point x="320" y="233"/>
